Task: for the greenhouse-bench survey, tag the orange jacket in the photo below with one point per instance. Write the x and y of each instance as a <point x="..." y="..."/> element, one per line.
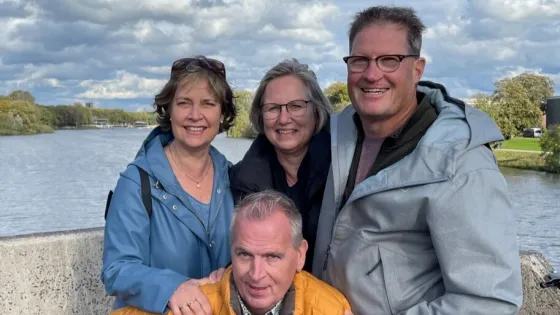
<point x="313" y="297"/>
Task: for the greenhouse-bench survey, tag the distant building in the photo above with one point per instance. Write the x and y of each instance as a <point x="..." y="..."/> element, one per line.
<point x="141" y="124"/>
<point x="100" y="122"/>
<point x="552" y="111"/>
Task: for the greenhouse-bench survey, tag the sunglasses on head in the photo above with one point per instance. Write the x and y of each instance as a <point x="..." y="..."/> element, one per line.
<point x="207" y="63"/>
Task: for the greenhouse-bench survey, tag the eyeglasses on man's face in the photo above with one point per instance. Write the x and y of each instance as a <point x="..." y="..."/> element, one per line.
<point x="213" y="65"/>
<point x="295" y="108"/>
<point x="385" y="63"/>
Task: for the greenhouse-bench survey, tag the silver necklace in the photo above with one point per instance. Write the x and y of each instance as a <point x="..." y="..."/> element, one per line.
<point x="186" y="174"/>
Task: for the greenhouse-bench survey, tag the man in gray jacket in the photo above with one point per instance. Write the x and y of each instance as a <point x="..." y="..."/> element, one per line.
<point x="416" y="217"/>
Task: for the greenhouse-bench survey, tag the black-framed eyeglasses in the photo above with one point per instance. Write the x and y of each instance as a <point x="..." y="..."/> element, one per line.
<point x="386" y="63"/>
<point x="295" y="108"/>
<point x="213" y="65"/>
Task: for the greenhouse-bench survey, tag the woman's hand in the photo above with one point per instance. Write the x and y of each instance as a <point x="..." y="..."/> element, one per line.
<point x="188" y="299"/>
<point x="215" y="276"/>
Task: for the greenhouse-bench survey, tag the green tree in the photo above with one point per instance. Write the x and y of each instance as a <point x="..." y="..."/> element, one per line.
<point x="538" y="87"/>
<point x="20" y="117"/>
<point x="497" y="111"/>
<point x="20" y="95"/>
<point x="243" y="100"/>
<point x="516" y="105"/>
<point x="46" y="115"/>
<point x="550" y="144"/>
<point x="337" y="93"/>
<point x="484" y="102"/>
<point x="242" y="125"/>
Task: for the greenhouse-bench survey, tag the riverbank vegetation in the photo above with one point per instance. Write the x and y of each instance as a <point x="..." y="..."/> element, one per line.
<point x="525" y="153"/>
<point x="529" y="160"/>
<point x="550" y="143"/>
<point x="19" y="115"/>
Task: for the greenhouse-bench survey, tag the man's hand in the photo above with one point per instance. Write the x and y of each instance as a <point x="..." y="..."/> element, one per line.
<point x="188" y="299"/>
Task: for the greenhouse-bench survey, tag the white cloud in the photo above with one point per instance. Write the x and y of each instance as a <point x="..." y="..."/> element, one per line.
<point x="125" y="86"/>
<point x="119" y="52"/>
<point x="519" y="10"/>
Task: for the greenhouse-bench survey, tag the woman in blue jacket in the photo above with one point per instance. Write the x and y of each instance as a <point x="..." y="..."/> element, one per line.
<point x="155" y="262"/>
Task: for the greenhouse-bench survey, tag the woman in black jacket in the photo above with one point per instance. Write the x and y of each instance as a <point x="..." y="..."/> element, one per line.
<point x="291" y="154"/>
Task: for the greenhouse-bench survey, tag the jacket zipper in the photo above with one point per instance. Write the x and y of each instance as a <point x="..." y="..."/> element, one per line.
<point x="372" y="193"/>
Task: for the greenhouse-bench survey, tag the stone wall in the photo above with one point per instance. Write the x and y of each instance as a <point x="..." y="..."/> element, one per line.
<point x="536" y="300"/>
<point x="53" y="274"/>
<point x="58" y="274"/>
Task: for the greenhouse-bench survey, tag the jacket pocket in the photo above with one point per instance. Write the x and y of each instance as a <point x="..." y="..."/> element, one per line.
<point x="357" y="270"/>
<point x="409" y="279"/>
<point x="375" y="275"/>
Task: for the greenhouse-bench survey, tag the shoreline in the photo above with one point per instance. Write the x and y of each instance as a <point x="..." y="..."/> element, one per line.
<point x="522" y="159"/>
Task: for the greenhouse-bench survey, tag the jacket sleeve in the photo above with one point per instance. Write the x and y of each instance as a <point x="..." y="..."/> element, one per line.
<point x="132" y="311"/>
<point x="472" y="225"/>
<point x="126" y="254"/>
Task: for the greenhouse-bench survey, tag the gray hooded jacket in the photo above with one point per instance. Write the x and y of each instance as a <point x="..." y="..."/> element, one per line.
<point x="434" y="233"/>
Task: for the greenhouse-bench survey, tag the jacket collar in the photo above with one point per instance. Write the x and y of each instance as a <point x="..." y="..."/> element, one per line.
<point x="457" y="128"/>
<point x="234" y="303"/>
<point x="253" y="172"/>
<point x="151" y="157"/>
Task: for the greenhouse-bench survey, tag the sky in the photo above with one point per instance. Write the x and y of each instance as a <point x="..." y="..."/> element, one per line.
<point x="118" y="53"/>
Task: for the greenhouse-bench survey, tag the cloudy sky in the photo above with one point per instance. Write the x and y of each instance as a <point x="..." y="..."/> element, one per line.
<point x="117" y="53"/>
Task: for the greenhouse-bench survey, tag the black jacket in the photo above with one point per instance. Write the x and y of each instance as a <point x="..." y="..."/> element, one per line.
<point x="260" y="170"/>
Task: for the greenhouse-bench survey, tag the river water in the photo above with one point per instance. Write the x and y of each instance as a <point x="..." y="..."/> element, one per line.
<point x="59" y="181"/>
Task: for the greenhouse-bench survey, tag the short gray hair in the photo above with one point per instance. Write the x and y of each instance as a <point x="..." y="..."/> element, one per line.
<point x="321" y="104"/>
<point x="402" y="16"/>
<point x="261" y="205"/>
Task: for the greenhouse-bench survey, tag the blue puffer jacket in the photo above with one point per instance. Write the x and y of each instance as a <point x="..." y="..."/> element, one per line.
<point x="145" y="259"/>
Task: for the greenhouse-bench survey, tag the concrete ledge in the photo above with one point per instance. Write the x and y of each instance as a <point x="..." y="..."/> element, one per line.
<point x="58" y="274"/>
<point x="536" y="300"/>
<point x="53" y="273"/>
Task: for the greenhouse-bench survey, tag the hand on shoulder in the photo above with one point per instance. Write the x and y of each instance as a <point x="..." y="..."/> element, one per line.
<point x="189" y="299"/>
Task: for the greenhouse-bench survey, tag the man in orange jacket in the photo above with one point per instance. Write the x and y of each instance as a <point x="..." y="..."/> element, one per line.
<point x="265" y="277"/>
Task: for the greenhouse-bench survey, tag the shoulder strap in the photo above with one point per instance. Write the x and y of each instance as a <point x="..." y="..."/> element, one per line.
<point x="146" y="191"/>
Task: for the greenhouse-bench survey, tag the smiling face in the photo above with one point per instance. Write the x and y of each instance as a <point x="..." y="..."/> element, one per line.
<point x="195" y="115"/>
<point x="377" y="95"/>
<point x="289" y="134"/>
<point x="264" y="261"/>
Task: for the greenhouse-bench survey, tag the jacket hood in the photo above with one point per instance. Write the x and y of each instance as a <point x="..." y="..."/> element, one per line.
<point x="151" y="157"/>
<point x="457" y="129"/>
<point x="457" y="121"/>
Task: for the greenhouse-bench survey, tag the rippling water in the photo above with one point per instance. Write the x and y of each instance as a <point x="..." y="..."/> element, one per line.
<point x="60" y="181"/>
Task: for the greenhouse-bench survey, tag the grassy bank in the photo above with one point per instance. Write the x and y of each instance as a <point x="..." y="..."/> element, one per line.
<point x="26" y="132"/>
<point x="522" y="160"/>
<point x="531" y="144"/>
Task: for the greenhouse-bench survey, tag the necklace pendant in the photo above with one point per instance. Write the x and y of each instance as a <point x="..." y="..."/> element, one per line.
<point x="198" y="185"/>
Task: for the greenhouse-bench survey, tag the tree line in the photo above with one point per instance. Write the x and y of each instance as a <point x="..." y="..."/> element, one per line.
<point x="19" y="114"/>
<point x="516" y="103"/>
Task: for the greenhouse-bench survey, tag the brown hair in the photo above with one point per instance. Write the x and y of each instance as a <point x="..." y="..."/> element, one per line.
<point x="402" y="16"/>
<point x="200" y="68"/>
